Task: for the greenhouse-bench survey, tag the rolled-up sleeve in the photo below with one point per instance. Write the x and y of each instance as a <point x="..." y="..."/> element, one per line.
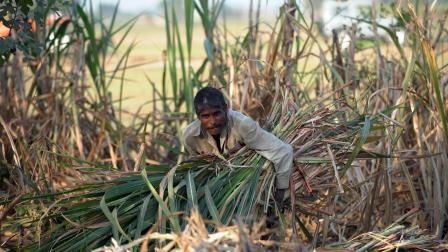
<point x="270" y="147"/>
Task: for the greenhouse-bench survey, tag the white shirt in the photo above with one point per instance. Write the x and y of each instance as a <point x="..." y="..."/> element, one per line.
<point x="239" y="131"/>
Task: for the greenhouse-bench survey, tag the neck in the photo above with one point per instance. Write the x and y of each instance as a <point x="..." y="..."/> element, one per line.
<point x="218" y="143"/>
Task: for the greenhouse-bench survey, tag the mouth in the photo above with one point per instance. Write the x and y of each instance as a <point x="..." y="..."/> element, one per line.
<point x="216" y="127"/>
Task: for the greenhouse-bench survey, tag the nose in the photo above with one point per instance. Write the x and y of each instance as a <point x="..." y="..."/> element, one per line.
<point x="213" y="120"/>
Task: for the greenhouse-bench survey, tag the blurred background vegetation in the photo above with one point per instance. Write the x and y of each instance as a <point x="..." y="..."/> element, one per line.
<point x="90" y="92"/>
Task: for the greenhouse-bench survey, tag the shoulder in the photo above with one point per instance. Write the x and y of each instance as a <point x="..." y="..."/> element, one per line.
<point x="238" y="116"/>
<point x="241" y="121"/>
<point x="193" y="129"/>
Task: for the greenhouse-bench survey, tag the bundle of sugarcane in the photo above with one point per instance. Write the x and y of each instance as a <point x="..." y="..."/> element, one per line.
<point x="221" y="188"/>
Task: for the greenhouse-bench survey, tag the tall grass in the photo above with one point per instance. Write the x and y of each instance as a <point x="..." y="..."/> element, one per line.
<point x="390" y="100"/>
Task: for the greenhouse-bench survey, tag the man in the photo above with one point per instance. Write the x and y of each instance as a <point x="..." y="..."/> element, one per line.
<point x="220" y="130"/>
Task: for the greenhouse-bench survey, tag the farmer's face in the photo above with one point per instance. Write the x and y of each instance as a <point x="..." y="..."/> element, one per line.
<point x="213" y="120"/>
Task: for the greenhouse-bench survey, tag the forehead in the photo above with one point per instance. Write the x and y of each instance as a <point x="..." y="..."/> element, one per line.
<point x="209" y="110"/>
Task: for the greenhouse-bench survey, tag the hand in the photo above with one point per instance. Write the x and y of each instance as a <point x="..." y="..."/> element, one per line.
<point x="279" y="196"/>
<point x="272" y="221"/>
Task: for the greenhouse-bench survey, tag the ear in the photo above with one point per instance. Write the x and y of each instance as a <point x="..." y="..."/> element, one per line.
<point x="226" y="107"/>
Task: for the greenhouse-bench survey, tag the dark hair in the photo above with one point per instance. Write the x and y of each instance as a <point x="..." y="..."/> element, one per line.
<point x="209" y="97"/>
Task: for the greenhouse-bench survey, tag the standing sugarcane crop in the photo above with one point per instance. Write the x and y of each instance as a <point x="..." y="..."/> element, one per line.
<point x="220" y="131"/>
